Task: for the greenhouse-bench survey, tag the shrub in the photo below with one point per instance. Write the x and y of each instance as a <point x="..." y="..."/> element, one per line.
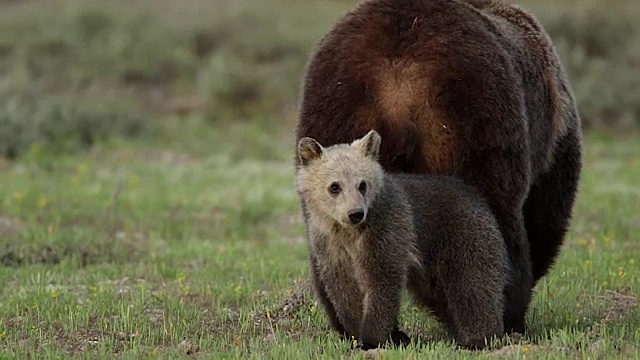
<point x="599" y="44"/>
<point x="65" y="74"/>
<point x="63" y="122"/>
<point x="76" y="45"/>
<point x="253" y="64"/>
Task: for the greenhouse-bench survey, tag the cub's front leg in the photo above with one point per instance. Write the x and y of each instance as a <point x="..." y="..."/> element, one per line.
<point x="342" y="292"/>
<point x="382" y="275"/>
<point x="320" y="291"/>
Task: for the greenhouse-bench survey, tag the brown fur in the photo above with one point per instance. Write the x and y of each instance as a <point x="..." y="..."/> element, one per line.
<point x="535" y="39"/>
<point x="434" y="235"/>
<point x="466" y="88"/>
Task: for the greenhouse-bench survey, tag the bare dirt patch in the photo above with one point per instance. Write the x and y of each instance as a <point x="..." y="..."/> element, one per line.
<point x="9" y="225"/>
<point x="14" y="255"/>
<point x="121" y="247"/>
<point x="301" y="296"/>
<point x="618" y="305"/>
<point x="283" y="316"/>
<point x="187" y="347"/>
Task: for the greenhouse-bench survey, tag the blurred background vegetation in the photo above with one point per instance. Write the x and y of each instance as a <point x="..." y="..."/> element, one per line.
<point x="76" y="72"/>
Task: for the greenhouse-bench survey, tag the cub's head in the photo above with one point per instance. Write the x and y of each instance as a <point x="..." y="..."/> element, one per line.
<point x="340" y="182"/>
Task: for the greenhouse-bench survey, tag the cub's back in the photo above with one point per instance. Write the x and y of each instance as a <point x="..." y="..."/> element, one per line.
<point x="445" y="207"/>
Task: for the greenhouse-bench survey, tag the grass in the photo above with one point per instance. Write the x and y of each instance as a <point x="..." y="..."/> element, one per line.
<point x="191" y="243"/>
<point x="147" y="201"/>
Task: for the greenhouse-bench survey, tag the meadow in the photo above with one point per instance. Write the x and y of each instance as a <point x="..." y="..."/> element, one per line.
<point x="147" y="199"/>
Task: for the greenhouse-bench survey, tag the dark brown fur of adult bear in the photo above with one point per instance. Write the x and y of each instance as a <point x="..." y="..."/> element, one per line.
<point x="469" y="88"/>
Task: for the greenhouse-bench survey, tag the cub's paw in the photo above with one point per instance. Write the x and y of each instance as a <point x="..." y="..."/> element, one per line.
<point x="368" y="346"/>
<point x="473" y="344"/>
<point x="399" y="338"/>
<point x="368" y="343"/>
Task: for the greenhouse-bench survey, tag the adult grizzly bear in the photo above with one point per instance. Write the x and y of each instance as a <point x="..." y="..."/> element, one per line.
<point x="469" y="88"/>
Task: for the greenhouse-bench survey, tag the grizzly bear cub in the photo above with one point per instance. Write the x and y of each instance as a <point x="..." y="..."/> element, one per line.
<point x="373" y="233"/>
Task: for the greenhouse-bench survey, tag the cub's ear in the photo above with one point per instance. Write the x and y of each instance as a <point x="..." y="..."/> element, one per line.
<point x="308" y="149"/>
<point x="369" y="145"/>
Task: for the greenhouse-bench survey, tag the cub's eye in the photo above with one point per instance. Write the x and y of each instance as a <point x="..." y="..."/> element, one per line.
<point x="334" y="188"/>
<point x="362" y="187"/>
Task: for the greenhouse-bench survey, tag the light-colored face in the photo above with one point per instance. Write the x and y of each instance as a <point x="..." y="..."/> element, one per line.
<point x="340" y="182"/>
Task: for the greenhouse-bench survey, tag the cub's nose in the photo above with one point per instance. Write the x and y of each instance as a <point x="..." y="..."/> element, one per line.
<point x="356" y="216"/>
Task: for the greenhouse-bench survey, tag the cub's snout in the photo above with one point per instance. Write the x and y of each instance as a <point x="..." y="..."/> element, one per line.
<point x="356" y="216"/>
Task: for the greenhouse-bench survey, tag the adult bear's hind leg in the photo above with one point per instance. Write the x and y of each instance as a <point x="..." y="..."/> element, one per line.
<point x="548" y="208"/>
<point x="505" y="196"/>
